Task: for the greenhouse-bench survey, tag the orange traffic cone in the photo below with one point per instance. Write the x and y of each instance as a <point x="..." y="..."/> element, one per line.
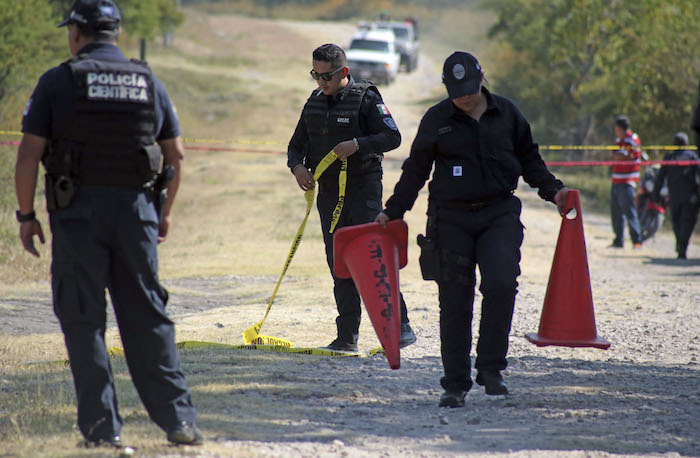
<point x="567" y="316"/>
<point x="372" y="255"/>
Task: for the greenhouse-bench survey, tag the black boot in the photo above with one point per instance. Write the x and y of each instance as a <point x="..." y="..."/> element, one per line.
<point x="452" y="398"/>
<point x="340" y="345"/>
<point x="492" y="381"/>
<point x="407" y="335"/>
<point x="185" y="433"/>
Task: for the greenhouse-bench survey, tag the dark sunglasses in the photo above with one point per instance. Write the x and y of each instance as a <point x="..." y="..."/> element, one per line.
<point x="326" y="76"/>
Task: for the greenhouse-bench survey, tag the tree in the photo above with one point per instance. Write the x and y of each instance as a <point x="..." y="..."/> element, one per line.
<point x="139" y="18"/>
<point x="29" y="41"/>
<point x="574" y="64"/>
<point x="170" y="17"/>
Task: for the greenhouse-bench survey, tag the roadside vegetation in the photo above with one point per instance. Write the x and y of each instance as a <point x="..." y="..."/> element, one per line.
<point x="234" y="215"/>
<point x="592" y="63"/>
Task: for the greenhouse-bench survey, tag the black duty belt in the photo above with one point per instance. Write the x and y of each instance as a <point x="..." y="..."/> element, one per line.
<point x="474" y="205"/>
<point x="330" y="183"/>
<point x="115" y="181"/>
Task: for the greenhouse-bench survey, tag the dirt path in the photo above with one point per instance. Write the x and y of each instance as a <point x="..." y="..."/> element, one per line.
<point x="638" y="398"/>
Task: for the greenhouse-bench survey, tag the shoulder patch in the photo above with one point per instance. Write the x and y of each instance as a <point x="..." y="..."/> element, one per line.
<point x="383" y="110"/>
<point x="390" y="123"/>
<point x="28" y="107"/>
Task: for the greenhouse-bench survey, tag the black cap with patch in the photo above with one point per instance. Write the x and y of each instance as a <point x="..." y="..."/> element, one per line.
<point x="461" y="75"/>
<point x="94" y="14"/>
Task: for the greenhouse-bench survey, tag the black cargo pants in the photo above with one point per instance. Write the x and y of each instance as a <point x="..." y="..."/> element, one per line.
<point x="684" y="216"/>
<point x="490" y="238"/>
<point x="107" y="239"/>
<point x="363" y="202"/>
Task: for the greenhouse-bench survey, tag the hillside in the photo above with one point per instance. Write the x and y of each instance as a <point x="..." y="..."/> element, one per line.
<point x="243" y="80"/>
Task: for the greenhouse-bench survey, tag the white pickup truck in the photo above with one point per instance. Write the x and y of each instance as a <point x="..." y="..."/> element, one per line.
<point x="407" y="45"/>
<point x="372" y="55"/>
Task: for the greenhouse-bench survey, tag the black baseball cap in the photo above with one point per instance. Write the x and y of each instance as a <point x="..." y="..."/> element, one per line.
<point x="94" y="14"/>
<point x="461" y="75"/>
<point x="680" y="139"/>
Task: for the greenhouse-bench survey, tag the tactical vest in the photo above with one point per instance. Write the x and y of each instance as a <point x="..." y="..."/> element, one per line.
<point x="327" y="127"/>
<point x="108" y="137"/>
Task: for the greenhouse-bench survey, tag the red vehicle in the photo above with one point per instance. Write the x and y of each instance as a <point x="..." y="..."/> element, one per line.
<point x="651" y="213"/>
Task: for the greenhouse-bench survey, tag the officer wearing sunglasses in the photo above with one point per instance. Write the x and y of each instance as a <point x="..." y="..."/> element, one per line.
<point x="349" y="117"/>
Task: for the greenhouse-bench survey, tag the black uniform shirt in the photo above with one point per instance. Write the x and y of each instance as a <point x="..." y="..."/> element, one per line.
<point x="474" y="160"/>
<point x="376" y="123"/>
<point x="51" y="105"/>
<point x="681" y="179"/>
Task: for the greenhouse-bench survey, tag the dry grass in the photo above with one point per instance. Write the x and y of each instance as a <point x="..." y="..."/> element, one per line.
<point x="237" y="214"/>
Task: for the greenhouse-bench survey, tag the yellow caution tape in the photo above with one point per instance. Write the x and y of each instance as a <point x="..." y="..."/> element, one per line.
<point x="230" y="142"/>
<point x="542" y="147"/>
<point x="60" y="362"/>
<point x="281" y="349"/>
<point x="116" y="351"/>
<point x="342" y="183"/>
<point x="251" y="336"/>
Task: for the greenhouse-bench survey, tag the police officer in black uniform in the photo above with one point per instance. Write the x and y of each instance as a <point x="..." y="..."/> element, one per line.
<point x="480" y="145"/>
<point x="101" y="124"/>
<point x="350" y="118"/>
<point x="683" y="189"/>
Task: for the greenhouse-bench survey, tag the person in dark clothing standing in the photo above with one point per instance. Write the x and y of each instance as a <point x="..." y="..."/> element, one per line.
<point x="350" y="118"/>
<point x="101" y="124"/>
<point x="696" y="121"/>
<point x="480" y="145"/>
<point x="683" y="190"/>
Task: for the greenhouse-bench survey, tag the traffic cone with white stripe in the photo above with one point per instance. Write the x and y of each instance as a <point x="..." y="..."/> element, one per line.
<point x="567" y="316"/>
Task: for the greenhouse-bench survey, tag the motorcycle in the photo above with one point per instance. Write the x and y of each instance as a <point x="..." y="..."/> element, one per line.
<point x="651" y="212"/>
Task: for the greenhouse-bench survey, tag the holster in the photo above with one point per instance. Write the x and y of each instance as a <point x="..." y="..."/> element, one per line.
<point x="430" y="258"/>
<point x="60" y="191"/>
<point x="149" y="161"/>
<point x="60" y="165"/>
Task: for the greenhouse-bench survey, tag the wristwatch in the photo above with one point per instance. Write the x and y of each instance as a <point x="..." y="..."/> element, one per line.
<point x="31" y="216"/>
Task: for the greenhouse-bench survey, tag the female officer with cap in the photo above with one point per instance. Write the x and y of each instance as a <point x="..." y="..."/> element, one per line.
<point x="480" y="144"/>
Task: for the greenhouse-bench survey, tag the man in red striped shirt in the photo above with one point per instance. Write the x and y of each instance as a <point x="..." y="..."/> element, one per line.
<point x="625" y="175"/>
